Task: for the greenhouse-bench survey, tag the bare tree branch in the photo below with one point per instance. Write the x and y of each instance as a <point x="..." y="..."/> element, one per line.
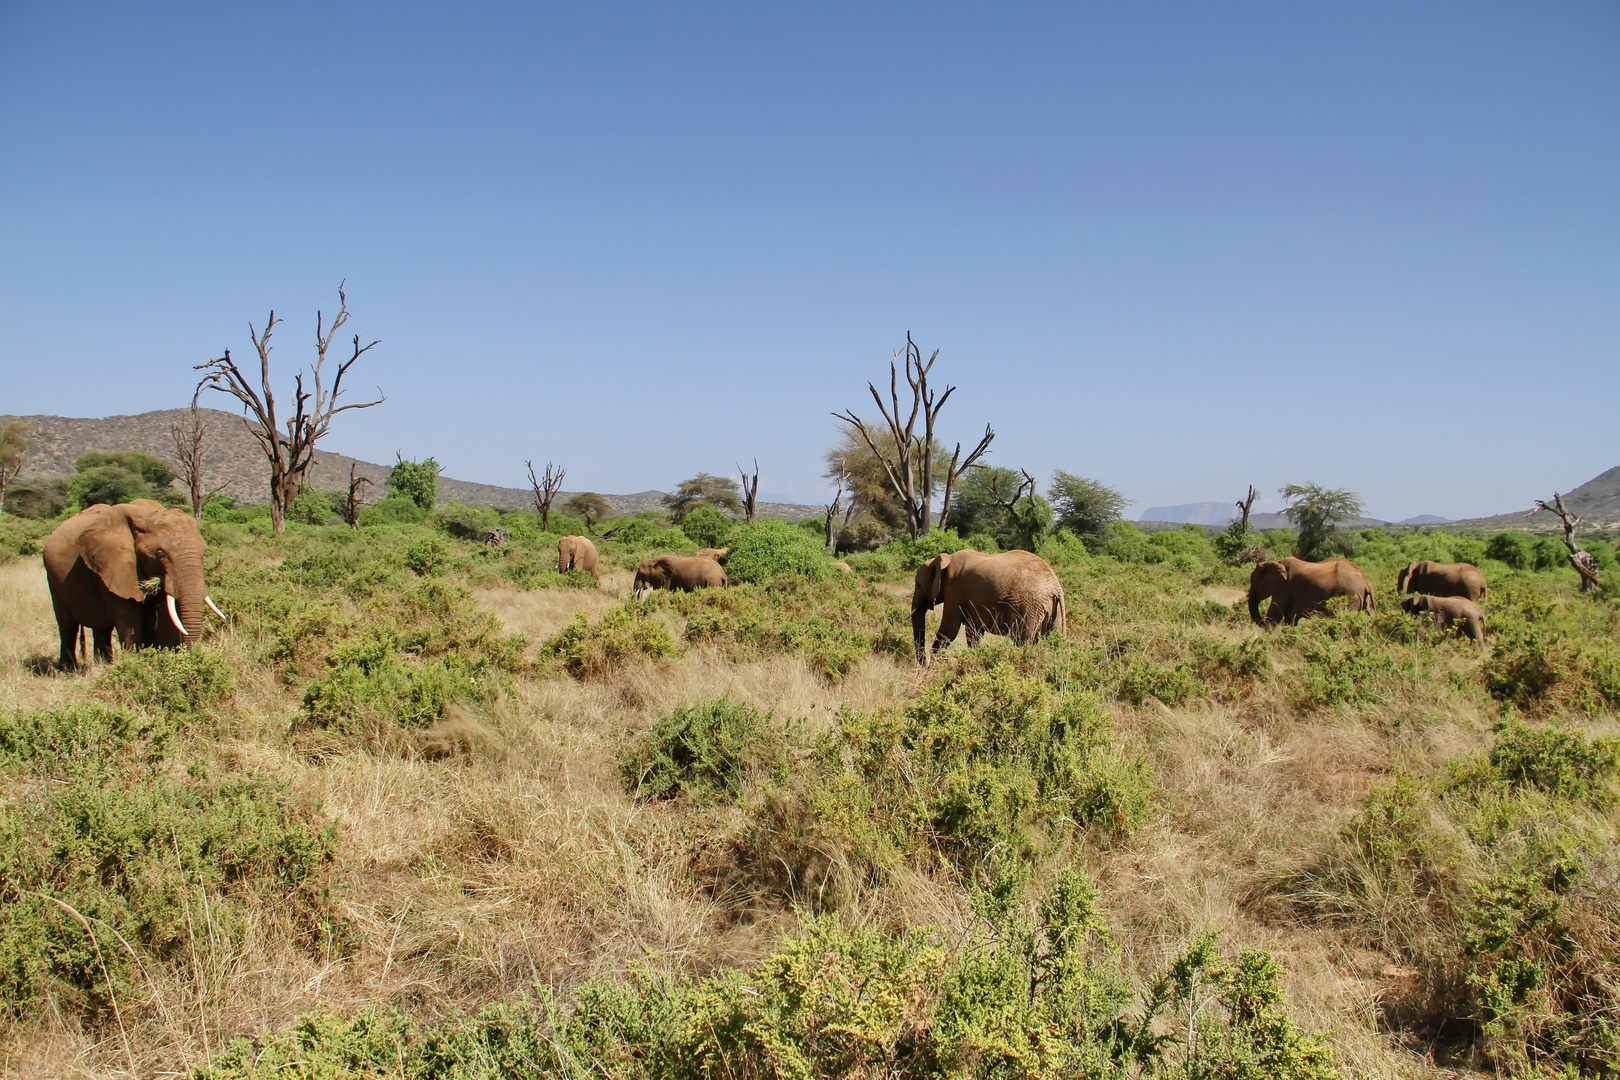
<point x="1583" y="562"/>
<point x="1244" y="504"/>
<point x="750" y="488"/>
<point x="832" y="511"/>
<point x="545" y="489"/>
<point x="190" y="434"/>
<point x="289" y="454"/>
<point x="351" y="505"/>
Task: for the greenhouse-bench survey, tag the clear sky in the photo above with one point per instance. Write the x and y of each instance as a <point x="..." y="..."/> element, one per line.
<point x="1180" y="247"/>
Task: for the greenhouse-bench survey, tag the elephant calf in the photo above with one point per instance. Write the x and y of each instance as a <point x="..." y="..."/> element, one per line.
<point x="1014" y="593"/>
<point x="1449" y="611"/>
<point x="678" y="573"/>
<point x="1298" y="588"/>
<point x="1442" y="579"/>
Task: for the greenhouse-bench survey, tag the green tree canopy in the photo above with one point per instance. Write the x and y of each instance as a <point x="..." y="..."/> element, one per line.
<point x="14" y="447"/>
<point x="708" y="527"/>
<point x="867" y="484"/>
<point x="975" y="508"/>
<point x="417" y="481"/>
<point x="1087" y="508"/>
<point x="588" y="506"/>
<point x="717" y="492"/>
<point x="1317" y="512"/>
<point x="117" y="476"/>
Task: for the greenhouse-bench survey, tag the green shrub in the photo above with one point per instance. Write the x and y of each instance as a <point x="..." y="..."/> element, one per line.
<point x="707" y="527"/>
<point x="427" y="556"/>
<point x="625" y="634"/>
<point x="475" y="523"/>
<point x="1559" y="761"/>
<point x="80" y="736"/>
<point x="1513" y="548"/>
<point x="371" y="684"/>
<point x="704" y="750"/>
<point x="183" y="684"/>
<point x="913" y="553"/>
<point x="417" y="481"/>
<point x="772" y="547"/>
<point x="311" y="507"/>
<point x="394" y="510"/>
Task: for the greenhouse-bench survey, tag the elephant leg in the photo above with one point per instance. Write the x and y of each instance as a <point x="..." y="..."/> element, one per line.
<point x="103" y="638"/>
<point x="1276" y="612"/>
<point x="950" y="624"/>
<point x="973" y="632"/>
<point x="68" y="660"/>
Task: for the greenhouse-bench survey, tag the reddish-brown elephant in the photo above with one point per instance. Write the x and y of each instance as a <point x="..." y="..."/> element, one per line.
<point x="576" y="553"/>
<point x="1014" y="593"/>
<point x="97" y="562"/>
<point x="678" y="573"/>
<point x="1298" y="588"/>
<point x="1441" y="579"/>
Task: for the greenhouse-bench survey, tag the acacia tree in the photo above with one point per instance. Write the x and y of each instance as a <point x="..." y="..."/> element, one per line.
<point x="545" y="489"/>
<point x="589" y="507"/>
<point x="1317" y="512"/>
<point x="719" y="492"/>
<point x="1086" y="507"/>
<point x="910" y="468"/>
<point x="750" y="489"/>
<point x="190" y="433"/>
<point x="1581" y="559"/>
<point x="291" y="452"/>
<point x="351" y="505"/>
<point x="14" y="447"/>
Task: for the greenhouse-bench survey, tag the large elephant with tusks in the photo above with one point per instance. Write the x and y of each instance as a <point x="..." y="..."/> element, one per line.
<point x="1298" y="588"/>
<point x="1014" y="593"/>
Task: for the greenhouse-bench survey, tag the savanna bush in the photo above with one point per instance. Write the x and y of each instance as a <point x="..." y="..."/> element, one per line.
<point x="623" y="635"/>
<point x="370" y="684"/>
<point x="707" y="527"/>
<point x="82" y="735"/>
<point x="427" y="556"/>
<point x="705" y="750"/>
<point x="311" y="507"/>
<point x="1513" y="548"/>
<point x="913" y="553"/>
<point x="183" y="684"/>
<point x="771" y="547"/>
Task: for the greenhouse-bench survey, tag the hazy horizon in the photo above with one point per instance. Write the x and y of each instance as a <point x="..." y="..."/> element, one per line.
<point x="1178" y="248"/>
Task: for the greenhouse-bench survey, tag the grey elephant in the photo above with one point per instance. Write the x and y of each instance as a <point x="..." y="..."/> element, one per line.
<point x="1014" y="593"/>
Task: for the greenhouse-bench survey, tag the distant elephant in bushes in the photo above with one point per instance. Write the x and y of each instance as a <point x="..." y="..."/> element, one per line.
<point x="678" y="573"/>
<point x="1442" y="579"/>
<point x="1298" y="588"/>
<point x="1449" y="611"/>
<point x="576" y="553"/>
<point x="96" y="562"/>
<point x="717" y="554"/>
<point x="1014" y="593"/>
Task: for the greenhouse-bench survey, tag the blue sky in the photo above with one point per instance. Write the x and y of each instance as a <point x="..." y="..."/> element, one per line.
<point x="1180" y="247"/>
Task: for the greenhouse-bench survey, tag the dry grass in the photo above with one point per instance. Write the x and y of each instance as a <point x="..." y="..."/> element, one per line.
<point x="514" y="855"/>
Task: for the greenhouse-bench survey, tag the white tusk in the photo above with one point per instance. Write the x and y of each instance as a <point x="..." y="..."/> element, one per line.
<point x="215" y="606"/>
<point x="174" y="616"/>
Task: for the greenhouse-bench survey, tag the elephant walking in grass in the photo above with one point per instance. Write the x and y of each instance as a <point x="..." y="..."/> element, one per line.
<point x="1014" y="593"/>
<point x="678" y="573"/>
<point x="1448" y="612"/>
<point x="576" y="553"/>
<point x="135" y="568"/>
<point x="1298" y="588"/>
<point x="1442" y="579"/>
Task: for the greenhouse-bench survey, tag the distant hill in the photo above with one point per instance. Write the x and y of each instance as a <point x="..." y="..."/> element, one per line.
<point x="1424" y="519"/>
<point x="1204" y="513"/>
<point x="236" y="463"/>
<point x="1596" y="502"/>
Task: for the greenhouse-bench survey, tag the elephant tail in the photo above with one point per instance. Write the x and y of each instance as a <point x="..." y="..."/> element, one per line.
<point x="1058" y="619"/>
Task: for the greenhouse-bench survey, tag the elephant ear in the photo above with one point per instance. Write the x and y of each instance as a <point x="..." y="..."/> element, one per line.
<point x="108" y="547"/>
<point x="1282" y="569"/>
<point x="942" y="564"/>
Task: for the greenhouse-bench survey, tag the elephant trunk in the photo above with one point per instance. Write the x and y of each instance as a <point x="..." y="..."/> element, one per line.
<point x="919" y="631"/>
<point x="187" y="597"/>
<point x="1255" y="596"/>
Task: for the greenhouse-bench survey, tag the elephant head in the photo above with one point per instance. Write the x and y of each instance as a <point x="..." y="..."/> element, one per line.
<point x="1415" y="605"/>
<point x="1268" y="579"/>
<point x="142" y="540"/>
<point x="1404" y="576"/>
<point x="928" y="591"/>
<point x="651" y="574"/>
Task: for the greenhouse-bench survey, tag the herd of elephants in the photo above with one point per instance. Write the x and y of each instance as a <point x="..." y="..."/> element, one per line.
<point x="137" y="568"/>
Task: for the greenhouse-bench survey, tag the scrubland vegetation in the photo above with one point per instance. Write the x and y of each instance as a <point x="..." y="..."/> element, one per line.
<point x="427" y="808"/>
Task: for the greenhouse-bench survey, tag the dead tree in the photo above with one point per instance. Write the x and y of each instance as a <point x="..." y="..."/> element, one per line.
<point x="832" y="511"/>
<point x="190" y="434"/>
<point x="289" y="453"/>
<point x="1245" y="504"/>
<point x="545" y="489"/>
<point x="913" y="481"/>
<point x="750" y="488"/>
<point x="1580" y="559"/>
<point x="351" y="505"/>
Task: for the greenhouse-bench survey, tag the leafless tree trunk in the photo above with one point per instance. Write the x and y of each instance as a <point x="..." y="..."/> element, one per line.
<point x="190" y="434"/>
<point x="1580" y="559"/>
<point x="750" y="488"/>
<point x="913" y="481"/>
<point x="545" y="489"/>
<point x="291" y="454"/>
<point x="1244" y="504"/>
<point x="832" y="511"/>
<point x="351" y="505"/>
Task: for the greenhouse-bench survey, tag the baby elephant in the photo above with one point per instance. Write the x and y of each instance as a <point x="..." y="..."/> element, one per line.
<point x="1449" y="611"/>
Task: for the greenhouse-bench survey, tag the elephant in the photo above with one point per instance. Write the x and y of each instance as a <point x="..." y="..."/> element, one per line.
<point x="576" y="553"/>
<point x="96" y="562"/>
<point x="1014" y="593"/>
<point x="1298" y="588"/>
<point x="1442" y="579"/>
<point x="678" y="573"/>
<point x="1449" y="611"/>
<point x="717" y="554"/>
